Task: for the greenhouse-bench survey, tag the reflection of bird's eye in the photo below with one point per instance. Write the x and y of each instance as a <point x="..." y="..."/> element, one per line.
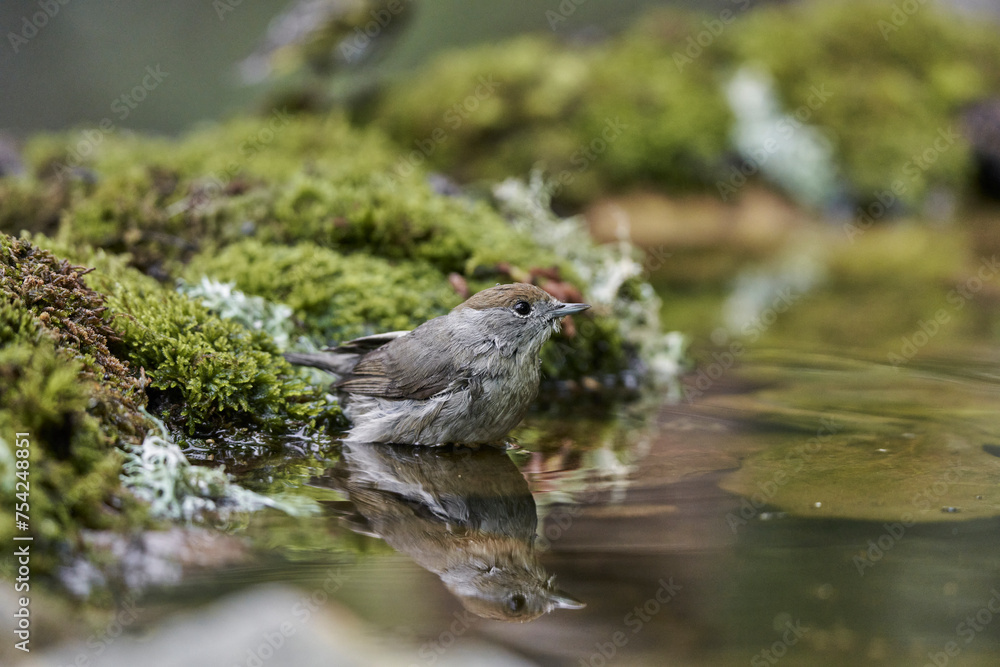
<point x="516" y="603"/>
<point x="522" y="308"/>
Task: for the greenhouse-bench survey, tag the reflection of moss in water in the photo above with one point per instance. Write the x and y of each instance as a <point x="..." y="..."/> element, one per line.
<point x="874" y="292"/>
<point x="879" y="289"/>
<point x="868" y="441"/>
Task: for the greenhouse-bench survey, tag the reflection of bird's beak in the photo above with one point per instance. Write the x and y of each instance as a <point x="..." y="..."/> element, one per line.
<point x="561" y="600"/>
<point x="563" y="309"/>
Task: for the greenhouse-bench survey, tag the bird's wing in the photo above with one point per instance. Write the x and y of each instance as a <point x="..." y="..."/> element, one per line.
<point x="409" y="366"/>
<point x="366" y="343"/>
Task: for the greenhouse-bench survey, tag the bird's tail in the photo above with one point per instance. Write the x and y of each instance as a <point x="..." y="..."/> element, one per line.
<point x="331" y="362"/>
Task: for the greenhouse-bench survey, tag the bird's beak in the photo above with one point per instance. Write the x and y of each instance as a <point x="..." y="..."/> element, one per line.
<point x="560" y="600"/>
<point x="563" y="309"/>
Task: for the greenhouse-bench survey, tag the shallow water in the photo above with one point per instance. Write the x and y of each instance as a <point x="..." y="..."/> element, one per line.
<point x="812" y="509"/>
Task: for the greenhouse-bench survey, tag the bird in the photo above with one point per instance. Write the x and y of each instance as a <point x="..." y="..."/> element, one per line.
<point x="467" y="377"/>
<point x="467" y="515"/>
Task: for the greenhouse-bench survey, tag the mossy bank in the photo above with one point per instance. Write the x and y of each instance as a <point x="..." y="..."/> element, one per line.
<point x="109" y="237"/>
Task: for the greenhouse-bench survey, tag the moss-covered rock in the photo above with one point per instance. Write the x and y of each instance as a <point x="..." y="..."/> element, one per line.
<point x="204" y="372"/>
<point x="80" y="351"/>
<point x="892" y="85"/>
<point x="595" y="118"/>
<point x="885" y="87"/>
<point x="302" y="210"/>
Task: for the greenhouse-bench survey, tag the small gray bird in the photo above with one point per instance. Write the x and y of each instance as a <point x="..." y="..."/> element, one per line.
<point x="466" y="377"/>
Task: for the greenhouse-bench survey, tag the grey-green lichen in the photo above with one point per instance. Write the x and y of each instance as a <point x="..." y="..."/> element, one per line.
<point x="158" y="472"/>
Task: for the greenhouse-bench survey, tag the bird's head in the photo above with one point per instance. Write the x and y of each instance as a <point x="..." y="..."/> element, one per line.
<point x="518" y="314"/>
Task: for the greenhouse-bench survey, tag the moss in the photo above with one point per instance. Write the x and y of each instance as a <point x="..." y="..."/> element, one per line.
<point x="890" y="89"/>
<point x="336" y="296"/>
<point x="884" y="95"/>
<point x="399" y="220"/>
<point x="594" y="118"/>
<point x="66" y="390"/>
<point x="316" y="179"/>
<point x="52" y="292"/>
<point x="204" y="372"/>
<point x="159" y="200"/>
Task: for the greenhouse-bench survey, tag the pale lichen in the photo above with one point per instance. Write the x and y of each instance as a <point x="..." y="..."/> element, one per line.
<point x="158" y="472"/>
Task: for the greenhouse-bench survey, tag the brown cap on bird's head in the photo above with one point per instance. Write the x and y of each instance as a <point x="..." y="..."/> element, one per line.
<point x="505" y="296"/>
<point x="509" y="296"/>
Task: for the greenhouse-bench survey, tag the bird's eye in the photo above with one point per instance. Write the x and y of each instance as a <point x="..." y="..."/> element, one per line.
<point x="516" y="602"/>
<point x="522" y="308"/>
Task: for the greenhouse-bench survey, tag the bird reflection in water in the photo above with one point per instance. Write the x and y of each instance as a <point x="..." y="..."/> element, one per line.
<point x="464" y="514"/>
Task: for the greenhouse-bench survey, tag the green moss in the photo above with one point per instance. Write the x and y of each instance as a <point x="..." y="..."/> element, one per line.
<point x="317" y="179"/>
<point x="889" y="91"/>
<point x="336" y="296"/>
<point x="72" y="397"/>
<point x="204" y="372"/>
<point x="51" y="293"/>
<point x="884" y="95"/>
<point x="596" y="118"/>
<point x="399" y="220"/>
